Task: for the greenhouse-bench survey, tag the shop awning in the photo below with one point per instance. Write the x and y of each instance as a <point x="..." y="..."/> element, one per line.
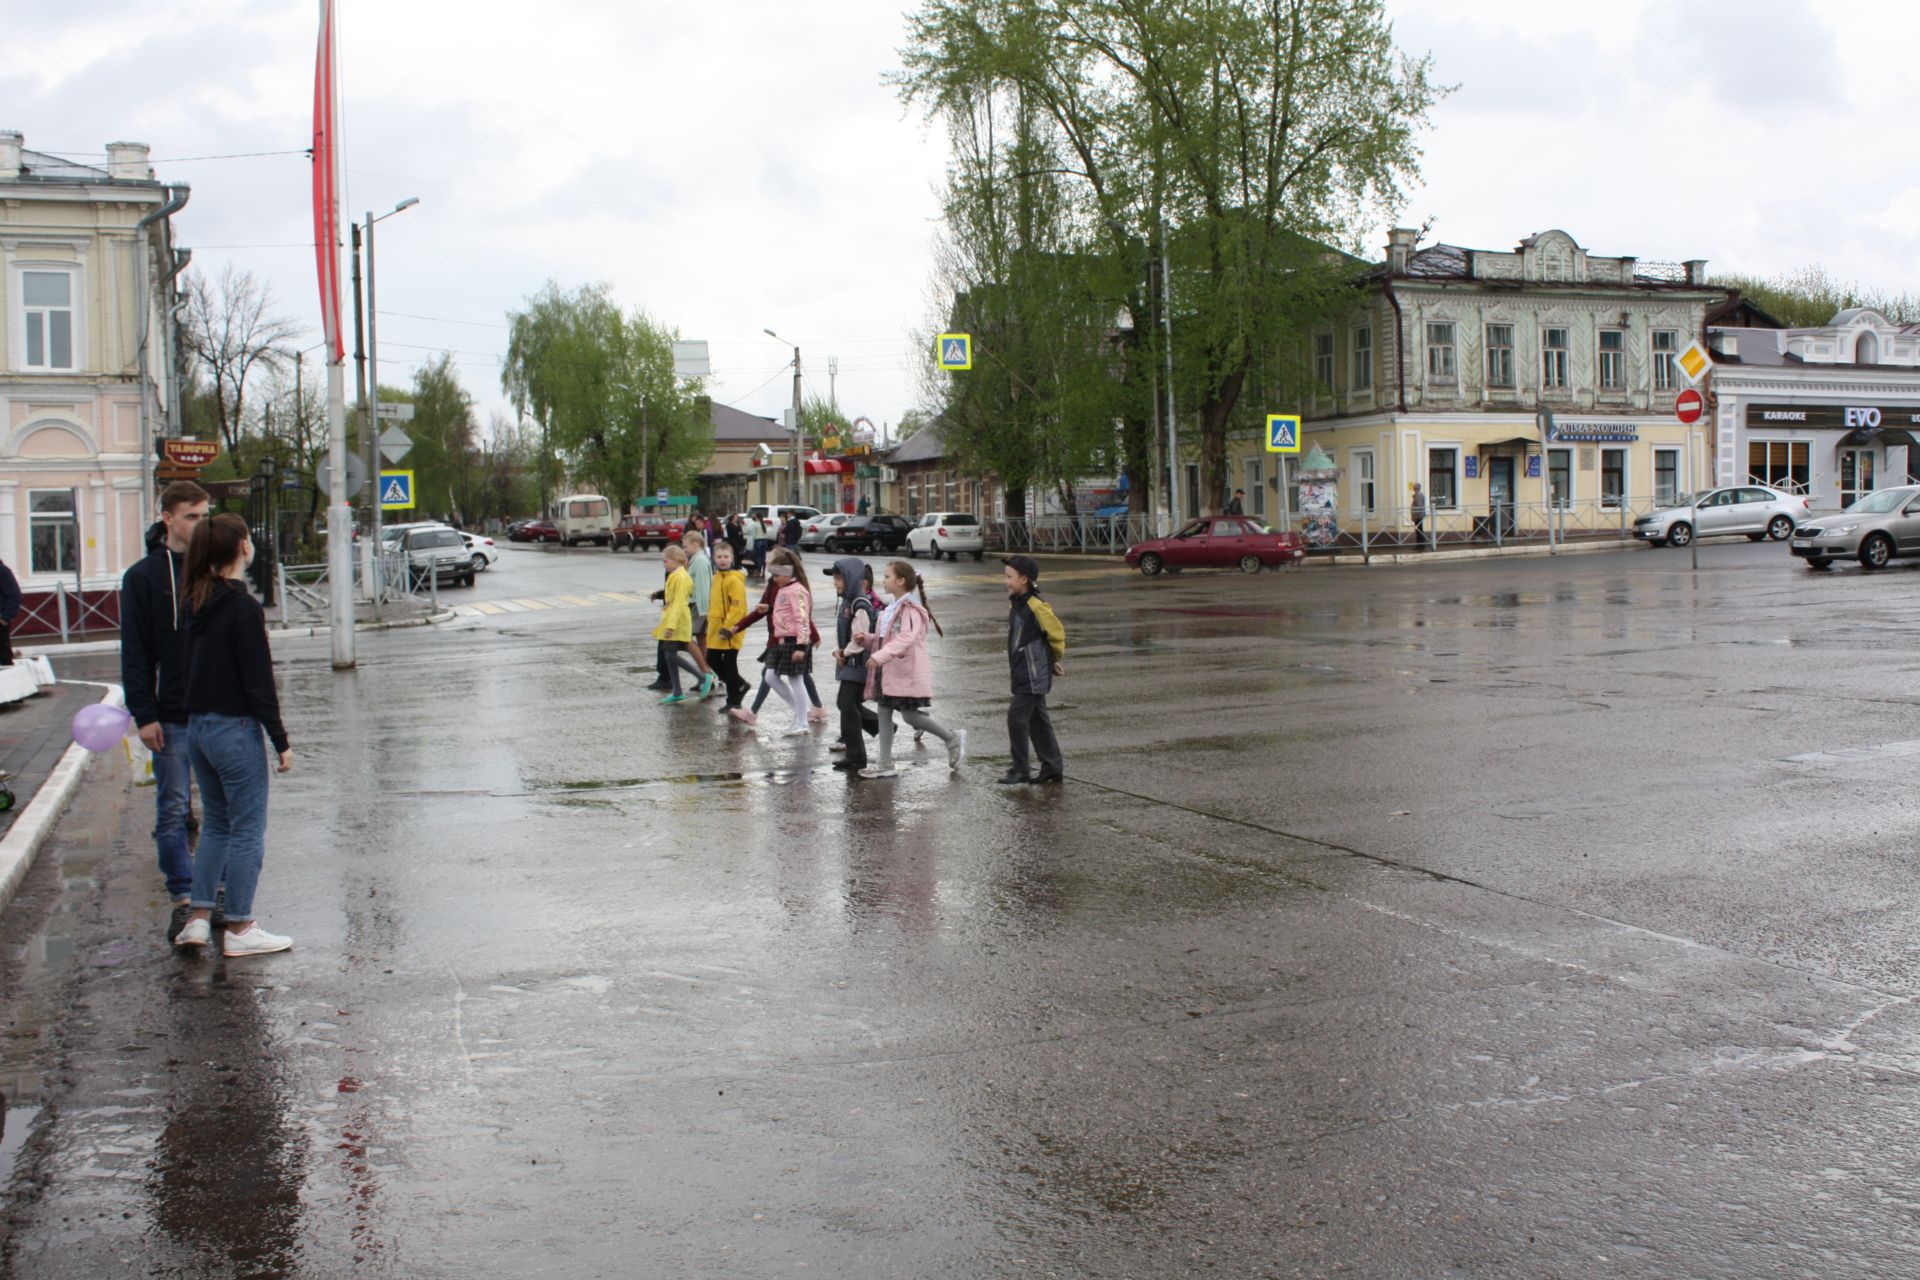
<point x="1521" y="441"/>
<point x="829" y="466"/>
<point x="1877" y="435"/>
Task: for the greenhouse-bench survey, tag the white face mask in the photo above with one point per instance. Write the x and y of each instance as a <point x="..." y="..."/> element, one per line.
<point x="782" y="571"/>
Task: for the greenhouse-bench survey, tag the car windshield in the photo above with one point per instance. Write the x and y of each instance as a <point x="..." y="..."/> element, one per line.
<point x="1881" y="502"/>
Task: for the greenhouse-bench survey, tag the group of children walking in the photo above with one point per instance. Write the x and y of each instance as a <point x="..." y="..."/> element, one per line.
<point x="881" y="662"/>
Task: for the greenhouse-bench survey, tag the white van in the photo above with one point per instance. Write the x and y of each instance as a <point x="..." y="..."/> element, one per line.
<point x="583" y="517"/>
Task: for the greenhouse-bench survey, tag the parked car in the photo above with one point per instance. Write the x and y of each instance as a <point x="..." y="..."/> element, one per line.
<point x="481" y="551"/>
<point x="815" y="529"/>
<point x="537" y="531"/>
<point x="437" y="547"/>
<point x="647" y="529"/>
<point x="1882" y="527"/>
<point x="1753" y="510"/>
<point x="948" y="533"/>
<point x="778" y="513"/>
<point x="869" y="533"/>
<point x="583" y="517"/>
<point x="1219" y="542"/>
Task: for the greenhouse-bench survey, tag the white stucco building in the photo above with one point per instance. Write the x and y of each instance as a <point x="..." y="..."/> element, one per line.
<point x="1831" y="412"/>
<point x="88" y="277"/>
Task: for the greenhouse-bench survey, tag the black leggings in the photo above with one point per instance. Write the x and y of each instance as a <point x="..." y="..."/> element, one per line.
<point x="726" y="665"/>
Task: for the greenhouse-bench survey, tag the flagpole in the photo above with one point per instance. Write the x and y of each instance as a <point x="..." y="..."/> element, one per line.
<point x="326" y="187"/>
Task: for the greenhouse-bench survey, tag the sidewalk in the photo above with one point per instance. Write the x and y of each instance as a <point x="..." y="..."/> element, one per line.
<point x="34" y="734"/>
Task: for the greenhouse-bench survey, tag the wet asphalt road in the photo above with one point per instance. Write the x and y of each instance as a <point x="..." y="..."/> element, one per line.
<point x="1513" y="918"/>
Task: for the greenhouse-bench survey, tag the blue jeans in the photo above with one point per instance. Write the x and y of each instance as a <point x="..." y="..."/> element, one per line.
<point x="229" y="756"/>
<point x="171" y="773"/>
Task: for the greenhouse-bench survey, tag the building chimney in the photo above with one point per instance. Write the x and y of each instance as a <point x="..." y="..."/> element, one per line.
<point x="1724" y="341"/>
<point x="10" y="147"/>
<point x="127" y="162"/>
<point x="1696" y="270"/>
<point x="1400" y="242"/>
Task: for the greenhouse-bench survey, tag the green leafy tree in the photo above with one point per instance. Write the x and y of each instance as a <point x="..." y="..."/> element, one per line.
<point x="1258" y="130"/>
<point x="1809" y="298"/>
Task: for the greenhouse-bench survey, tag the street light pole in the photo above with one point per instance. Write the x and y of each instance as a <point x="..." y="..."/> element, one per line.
<point x="793" y="443"/>
<point x="370" y="442"/>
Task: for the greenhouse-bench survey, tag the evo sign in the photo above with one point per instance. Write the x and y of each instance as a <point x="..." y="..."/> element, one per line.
<point x="1833" y="417"/>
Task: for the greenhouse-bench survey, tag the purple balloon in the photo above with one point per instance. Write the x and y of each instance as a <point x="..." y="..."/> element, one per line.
<point x="99" y="727"/>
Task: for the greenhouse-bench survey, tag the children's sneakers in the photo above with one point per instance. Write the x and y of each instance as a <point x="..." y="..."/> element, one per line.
<point x="194" y="933"/>
<point x="254" y="942"/>
<point x="797" y="728"/>
<point x="819" y="715"/>
<point x="743" y="715"/>
<point x="879" y="771"/>
<point x="957" y="750"/>
<point x="672" y="698"/>
<point x="706" y="685"/>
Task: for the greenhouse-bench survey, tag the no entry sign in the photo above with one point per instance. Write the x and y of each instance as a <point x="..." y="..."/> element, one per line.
<point x="1688" y="406"/>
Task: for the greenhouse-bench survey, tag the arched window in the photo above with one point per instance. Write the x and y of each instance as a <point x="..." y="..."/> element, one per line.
<point x="1867" y="349"/>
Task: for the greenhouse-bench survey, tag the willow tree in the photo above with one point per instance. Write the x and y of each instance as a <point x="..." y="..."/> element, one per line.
<point x="1264" y="133"/>
<point x="601" y="385"/>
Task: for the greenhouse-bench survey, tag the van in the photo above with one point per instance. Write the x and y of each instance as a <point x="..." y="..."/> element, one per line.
<point x="584" y="517"/>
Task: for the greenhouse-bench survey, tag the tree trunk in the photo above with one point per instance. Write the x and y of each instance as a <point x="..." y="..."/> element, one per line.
<point x="1214" y="415"/>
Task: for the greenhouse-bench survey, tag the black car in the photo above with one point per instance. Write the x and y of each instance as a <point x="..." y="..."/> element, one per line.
<point x="868" y="533"/>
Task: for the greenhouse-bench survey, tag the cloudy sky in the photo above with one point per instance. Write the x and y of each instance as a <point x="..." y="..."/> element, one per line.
<point x="738" y="165"/>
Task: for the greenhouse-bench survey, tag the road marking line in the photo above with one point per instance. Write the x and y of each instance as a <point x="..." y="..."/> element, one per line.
<point x="579" y="603"/>
<point x="486" y="607"/>
<point x="533" y="604"/>
<point x="510" y="607"/>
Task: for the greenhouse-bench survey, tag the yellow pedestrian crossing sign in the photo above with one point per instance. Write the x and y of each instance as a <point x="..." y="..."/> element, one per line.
<point x="396" y="490"/>
<point x="955" y="350"/>
<point x="1283" y="433"/>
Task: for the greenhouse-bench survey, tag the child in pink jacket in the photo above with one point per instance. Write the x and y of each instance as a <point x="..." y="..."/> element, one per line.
<point x="790" y="658"/>
<point x="899" y="670"/>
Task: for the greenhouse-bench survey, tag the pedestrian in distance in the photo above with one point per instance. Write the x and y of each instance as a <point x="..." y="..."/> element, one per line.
<point x="10" y="601"/>
<point x="790" y="533"/>
<point x="232" y="705"/>
<point x="1036" y="645"/>
<point x="1238" y="506"/>
<point x="760" y="534"/>
<point x="737" y="539"/>
<point x="865" y="507"/>
<point x="675" y="631"/>
<point x="700" y="569"/>
<point x="777" y="581"/>
<point x="900" y="670"/>
<point x="153" y="671"/>
<point x="790" y="656"/>
<point x="729" y="606"/>
<point x="855" y="616"/>
<point x="1417" y="508"/>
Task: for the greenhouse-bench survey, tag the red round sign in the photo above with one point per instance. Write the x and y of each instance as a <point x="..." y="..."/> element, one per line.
<point x="1688" y="406"/>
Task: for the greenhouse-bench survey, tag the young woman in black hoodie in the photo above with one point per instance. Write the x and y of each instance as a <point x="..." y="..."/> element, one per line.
<point x="231" y="704"/>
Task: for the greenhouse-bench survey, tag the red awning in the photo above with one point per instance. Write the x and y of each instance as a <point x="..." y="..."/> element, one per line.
<point x="829" y="466"/>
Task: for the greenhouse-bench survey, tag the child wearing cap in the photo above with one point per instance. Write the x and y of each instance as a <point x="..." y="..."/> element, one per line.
<point x="1036" y="643"/>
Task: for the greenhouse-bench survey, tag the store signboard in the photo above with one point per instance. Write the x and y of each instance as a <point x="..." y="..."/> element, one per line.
<point x="1833" y="417"/>
<point x="1593" y="431"/>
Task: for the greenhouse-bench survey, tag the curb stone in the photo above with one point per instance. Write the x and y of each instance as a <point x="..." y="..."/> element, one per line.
<point x="286" y="633"/>
<point x="35" y="823"/>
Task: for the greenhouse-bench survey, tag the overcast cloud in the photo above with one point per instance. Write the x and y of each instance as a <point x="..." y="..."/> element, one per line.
<point x="738" y="165"/>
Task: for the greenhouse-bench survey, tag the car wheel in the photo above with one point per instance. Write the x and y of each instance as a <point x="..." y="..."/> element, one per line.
<point x="1151" y="565"/>
<point x="1876" y="551"/>
<point x="913" y="552"/>
<point x="1250" y="563"/>
<point x="1819" y="562"/>
<point x="1679" y="534"/>
<point x="479" y="562"/>
<point x="1780" y="528"/>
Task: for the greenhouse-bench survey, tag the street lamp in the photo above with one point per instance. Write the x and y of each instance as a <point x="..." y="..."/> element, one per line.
<point x="370" y="442"/>
<point x="793" y="456"/>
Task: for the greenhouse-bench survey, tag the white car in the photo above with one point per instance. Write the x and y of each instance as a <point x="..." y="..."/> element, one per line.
<point x="481" y="551"/>
<point x="815" y="528"/>
<point x="948" y="533"/>
<point x="1750" y="509"/>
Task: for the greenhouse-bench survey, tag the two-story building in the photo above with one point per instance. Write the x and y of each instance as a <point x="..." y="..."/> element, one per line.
<point x="87" y="358"/>
<point x="1832" y="412"/>
<point x="1439" y="373"/>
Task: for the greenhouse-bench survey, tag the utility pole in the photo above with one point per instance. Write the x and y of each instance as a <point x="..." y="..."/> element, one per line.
<point x="833" y="377"/>
<point x="793" y="441"/>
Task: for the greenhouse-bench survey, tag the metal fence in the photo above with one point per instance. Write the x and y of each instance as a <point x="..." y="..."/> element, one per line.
<point x="305" y="589"/>
<point x="1108" y="535"/>
<point x="69" y="611"/>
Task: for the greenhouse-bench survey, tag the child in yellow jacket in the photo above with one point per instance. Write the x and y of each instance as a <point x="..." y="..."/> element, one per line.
<point x="726" y="606"/>
<point x="675" y="631"/>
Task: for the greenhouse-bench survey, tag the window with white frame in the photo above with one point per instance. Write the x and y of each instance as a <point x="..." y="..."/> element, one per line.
<point x="1443" y="478"/>
<point x="1256" y="486"/>
<point x="1363" y="358"/>
<point x="46" y="319"/>
<point x="1364" y="488"/>
<point x="1666" y="350"/>
<point x="1440" y="362"/>
<point x="1613" y="359"/>
<point x="1553" y="359"/>
<point x="1560" y="476"/>
<point x="1323" y="361"/>
<point x="54" y="532"/>
<point x="1666" y="476"/>
<point x="1500" y="356"/>
<point x="1613" y="477"/>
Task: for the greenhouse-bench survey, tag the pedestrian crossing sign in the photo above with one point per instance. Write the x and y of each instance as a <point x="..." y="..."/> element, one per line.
<point x="396" y="490"/>
<point x="1283" y="433"/>
<point x="954" y="351"/>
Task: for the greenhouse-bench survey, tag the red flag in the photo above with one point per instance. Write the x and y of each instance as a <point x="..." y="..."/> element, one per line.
<point x="326" y="186"/>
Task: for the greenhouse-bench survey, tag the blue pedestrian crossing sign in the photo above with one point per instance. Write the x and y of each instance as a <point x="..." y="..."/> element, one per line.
<point x="396" y="490"/>
<point x="1283" y="433"/>
<point x="954" y="350"/>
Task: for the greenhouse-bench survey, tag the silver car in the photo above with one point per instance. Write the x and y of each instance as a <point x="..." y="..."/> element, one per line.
<point x="1876" y="529"/>
<point x="1750" y="509"/>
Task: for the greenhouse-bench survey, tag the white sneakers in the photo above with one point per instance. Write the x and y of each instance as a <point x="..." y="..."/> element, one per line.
<point x="879" y="771"/>
<point x="797" y="729"/>
<point x="957" y="750"/>
<point x="254" y="942"/>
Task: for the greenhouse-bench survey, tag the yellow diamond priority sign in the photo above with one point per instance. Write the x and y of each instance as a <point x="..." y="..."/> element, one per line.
<point x="1694" y="362"/>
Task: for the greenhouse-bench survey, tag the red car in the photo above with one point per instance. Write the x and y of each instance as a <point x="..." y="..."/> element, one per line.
<point x="644" y="529"/>
<point x="1219" y="542"/>
<point x="538" y="531"/>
